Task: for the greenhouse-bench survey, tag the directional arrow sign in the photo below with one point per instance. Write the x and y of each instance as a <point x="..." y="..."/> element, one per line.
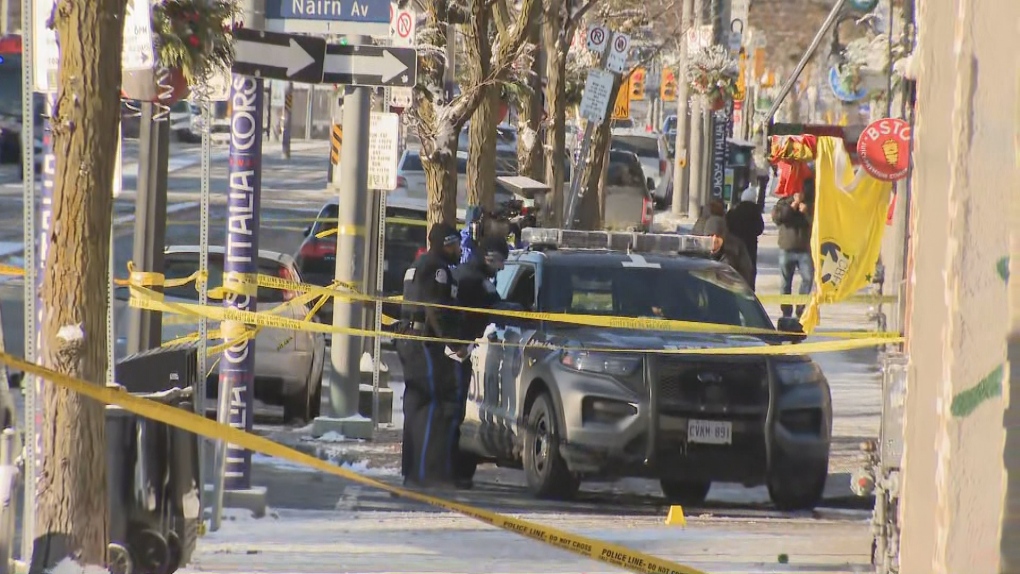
<point x="278" y="56"/>
<point x="370" y="66"/>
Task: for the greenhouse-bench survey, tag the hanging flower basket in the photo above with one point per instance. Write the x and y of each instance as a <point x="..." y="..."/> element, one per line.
<point x="193" y="37"/>
<point x="712" y="74"/>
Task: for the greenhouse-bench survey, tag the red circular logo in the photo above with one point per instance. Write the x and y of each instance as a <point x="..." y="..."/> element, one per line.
<point x="884" y="149"/>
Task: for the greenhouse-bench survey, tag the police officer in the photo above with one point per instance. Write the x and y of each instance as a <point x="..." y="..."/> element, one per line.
<point x="430" y="392"/>
<point x="476" y="289"/>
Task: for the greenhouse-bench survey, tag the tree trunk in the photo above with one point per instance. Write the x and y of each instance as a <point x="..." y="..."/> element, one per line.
<point x="481" y="169"/>
<point x="555" y="44"/>
<point x="72" y="509"/>
<point x="441" y="182"/>
<point x="529" y="124"/>
<point x="591" y="208"/>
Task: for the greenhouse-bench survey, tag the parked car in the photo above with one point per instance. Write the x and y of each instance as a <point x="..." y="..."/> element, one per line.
<point x="540" y="402"/>
<point x="288" y="364"/>
<point x="629" y="201"/>
<point x="651" y="150"/>
<point x="411" y="177"/>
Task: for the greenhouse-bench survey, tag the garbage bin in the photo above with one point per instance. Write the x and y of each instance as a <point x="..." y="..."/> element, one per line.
<point x="153" y="468"/>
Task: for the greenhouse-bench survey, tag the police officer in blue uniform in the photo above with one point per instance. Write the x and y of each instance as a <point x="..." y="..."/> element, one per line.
<point x="476" y="289"/>
<point x="430" y="392"/>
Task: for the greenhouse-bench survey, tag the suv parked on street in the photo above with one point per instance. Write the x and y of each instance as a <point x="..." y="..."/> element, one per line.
<point x="569" y="403"/>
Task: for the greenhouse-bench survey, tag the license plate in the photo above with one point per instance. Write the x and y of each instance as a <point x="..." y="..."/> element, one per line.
<point x="710" y="432"/>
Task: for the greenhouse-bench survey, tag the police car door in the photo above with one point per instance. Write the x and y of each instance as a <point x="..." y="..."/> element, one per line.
<point x="480" y="429"/>
<point x="522" y="291"/>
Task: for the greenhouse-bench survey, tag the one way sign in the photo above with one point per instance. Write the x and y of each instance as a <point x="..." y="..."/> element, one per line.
<point x="278" y="56"/>
<point x="371" y="66"/>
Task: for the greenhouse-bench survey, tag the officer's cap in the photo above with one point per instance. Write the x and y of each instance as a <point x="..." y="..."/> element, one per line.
<point x="443" y="234"/>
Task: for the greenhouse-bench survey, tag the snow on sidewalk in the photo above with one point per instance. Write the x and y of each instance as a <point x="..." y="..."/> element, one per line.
<point x="300" y="542"/>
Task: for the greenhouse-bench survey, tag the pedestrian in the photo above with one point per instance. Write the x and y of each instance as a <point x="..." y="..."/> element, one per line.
<point x="430" y="388"/>
<point x="475" y="289"/>
<point x="715" y="208"/>
<point x="727" y="248"/>
<point x="746" y="222"/>
<point x="794" y="215"/>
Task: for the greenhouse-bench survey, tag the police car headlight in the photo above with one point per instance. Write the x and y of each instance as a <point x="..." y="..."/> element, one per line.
<point x="618" y="365"/>
<point x="799" y="373"/>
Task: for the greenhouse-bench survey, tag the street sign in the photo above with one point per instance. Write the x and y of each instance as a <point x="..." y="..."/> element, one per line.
<point x="402" y="25"/>
<point x="598" y="38"/>
<point x="138" y="54"/>
<point x="46" y="56"/>
<point x="598" y="88"/>
<point x="621" y="107"/>
<point x="278" y="56"/>
<point x="371" y="66"/>
<point x="365" y="17"/>
<point x="699" y="38"/>
<point x="401" y="97"/>
<point x="617" y="61"/>
<point x="382" y="151"/>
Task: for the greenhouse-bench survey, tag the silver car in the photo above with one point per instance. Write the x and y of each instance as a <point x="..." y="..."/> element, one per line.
<point x="288" y="364"/>
<point x="653" y="152"/>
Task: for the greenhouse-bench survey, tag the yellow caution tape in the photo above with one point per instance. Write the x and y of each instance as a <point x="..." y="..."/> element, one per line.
<point x="606" y="552"/>
<point x="634" y="323"/>
<point x="805" y="299"/>
<point x="141" y="299"/>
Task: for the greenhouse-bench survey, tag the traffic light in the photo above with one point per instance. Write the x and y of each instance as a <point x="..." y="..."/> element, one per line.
<point x="637" y="84"/>
<point x="667" y="92"/>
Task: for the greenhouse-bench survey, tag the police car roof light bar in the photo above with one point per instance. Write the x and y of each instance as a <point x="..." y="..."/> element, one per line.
<point x="666" y="243"/>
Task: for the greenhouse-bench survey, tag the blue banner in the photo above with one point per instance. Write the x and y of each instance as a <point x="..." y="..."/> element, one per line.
<point x="42" y="248"/>
<point x="237" y="367"/>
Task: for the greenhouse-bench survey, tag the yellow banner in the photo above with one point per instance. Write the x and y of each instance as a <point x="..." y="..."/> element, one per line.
<point x="849" y="221"/>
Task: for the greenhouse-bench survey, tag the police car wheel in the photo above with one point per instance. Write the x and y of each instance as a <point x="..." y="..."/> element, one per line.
<point x="545" y="470"/>
<point x="685" y="492"/>
<point x="797" y="487"/>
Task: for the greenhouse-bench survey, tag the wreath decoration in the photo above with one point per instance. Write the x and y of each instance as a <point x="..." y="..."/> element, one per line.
<point x="712" y="73"/>
<point x="194" y="36"/>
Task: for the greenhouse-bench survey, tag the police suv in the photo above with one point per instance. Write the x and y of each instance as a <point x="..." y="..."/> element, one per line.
<point x="569" y="402"/>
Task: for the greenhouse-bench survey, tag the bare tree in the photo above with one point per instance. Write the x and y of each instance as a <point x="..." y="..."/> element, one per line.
<point x="624" y="18"/>
<point x="479" y="37"/>
<point x="560" y="21"/>
<point x="439" y="120"/>
<point x="72" y="510"/>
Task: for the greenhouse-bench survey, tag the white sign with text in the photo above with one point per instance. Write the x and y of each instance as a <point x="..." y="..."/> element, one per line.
<point x="382" y="151"/>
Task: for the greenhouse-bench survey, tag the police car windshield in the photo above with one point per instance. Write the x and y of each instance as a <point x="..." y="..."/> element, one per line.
<point x="706" y="295"/>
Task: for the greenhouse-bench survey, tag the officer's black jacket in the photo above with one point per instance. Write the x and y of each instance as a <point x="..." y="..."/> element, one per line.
<point x="430" y="280"/>
<point x="475" y="290"/>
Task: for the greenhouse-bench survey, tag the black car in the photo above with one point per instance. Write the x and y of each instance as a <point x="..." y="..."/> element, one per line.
<point x="570" y="403"/>
<point x="405" y="240"/>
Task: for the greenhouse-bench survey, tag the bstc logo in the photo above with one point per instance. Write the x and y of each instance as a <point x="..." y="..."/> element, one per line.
<point x="884" y="149"/>
<point x="835" y="263"/>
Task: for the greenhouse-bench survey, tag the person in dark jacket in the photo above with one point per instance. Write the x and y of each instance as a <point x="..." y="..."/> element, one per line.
<point x="745" y="221"/>
<point x="728" y="249"/>
<point x="794" y="216"/>
<point x="715" y="208"/>
<point x="476" y="290"/>
<point x="430" y="385"/>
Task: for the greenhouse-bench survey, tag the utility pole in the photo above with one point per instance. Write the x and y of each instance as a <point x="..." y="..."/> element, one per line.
<point x="680" y="183"/>
<point x="145" y="329"/>
<point x="696" y="186"/>
<point x="288" y="118"/>
<point x="351" y="185"/>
